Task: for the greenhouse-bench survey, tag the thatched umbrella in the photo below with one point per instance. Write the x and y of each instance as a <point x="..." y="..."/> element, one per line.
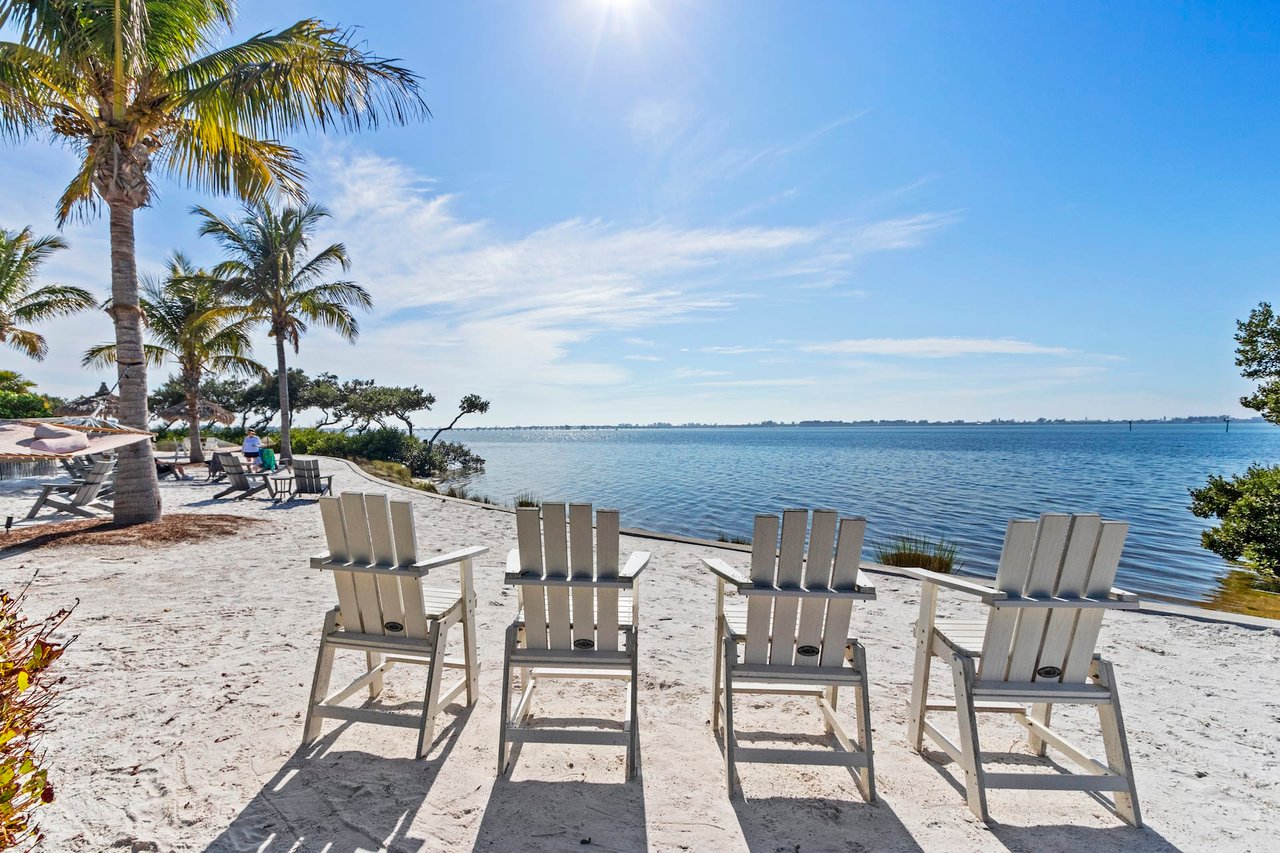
<point x="209" y="412"/>
<point x="101" y="404"/>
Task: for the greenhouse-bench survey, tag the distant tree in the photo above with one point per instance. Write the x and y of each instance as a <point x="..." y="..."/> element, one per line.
<point x="1258" y="357"/>
<point x="472" y="404"/>
<point x="190" y="322"/>
<point x="14" y="382"/>
<point x="270" y="272"/>
<point x="324" y="393"/>
<point x="15" y="404"/>
<point x="402" y="402"/>
<point x="21" y="302"/>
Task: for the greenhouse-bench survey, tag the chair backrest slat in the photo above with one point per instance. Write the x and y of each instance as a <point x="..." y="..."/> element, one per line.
<point x="764" y="571"/>
<point x="817" y="575"/>
<point x="533" y="597"/>
<point x="383" y="550"/>
<point x="606" y="569"/>
<point x="844" y="577"/>
<point x="94" y="479"/>
<point x="1067" y="556"/>
<point x="790" y="576"/>
<point x="306" y="476"/>
<point x="236" y="473"/>
<point x="555" y="542"/>
<point x="581" y="567"/>
<point x="336" y="538"/>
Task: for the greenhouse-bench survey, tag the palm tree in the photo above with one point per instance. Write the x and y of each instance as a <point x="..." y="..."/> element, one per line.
<point x="137" y="85"/>
<point x="189" y="321"/>
<point x="267" y="271"/>
<point x="21" y="254"/>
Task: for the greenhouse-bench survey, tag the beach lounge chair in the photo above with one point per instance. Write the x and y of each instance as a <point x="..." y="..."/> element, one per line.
<point x="307" y="479"/>
<point x="575" y="607"/>
<point x="787" y="632"/>
<point x="385" y="612"/>
<point x="1036" y="645"/>
<point x="78" y="494"/>
<point x="240" y="480"/>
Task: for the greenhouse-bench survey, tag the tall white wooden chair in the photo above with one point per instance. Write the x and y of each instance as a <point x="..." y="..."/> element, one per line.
<point x="1035" y="646"/>
<point x="787" y="632"/>
<point x="77" y="496"/>
<point x="385" y="612"/>
<point x="575" y="608"/>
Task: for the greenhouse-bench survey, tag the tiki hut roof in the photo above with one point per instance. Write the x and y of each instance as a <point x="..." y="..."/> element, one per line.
<point x="102" y="403"/>
<point x="209" y="411"/>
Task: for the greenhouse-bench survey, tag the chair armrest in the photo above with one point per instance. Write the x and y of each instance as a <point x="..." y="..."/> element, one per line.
<point x="726" y="572"/>
<point x="324" y="561"/>
<point x="635" y="565"/>
<point x="988" y="594"/>
<point x="1121" y="595"/>
<point x="452" y="557"/>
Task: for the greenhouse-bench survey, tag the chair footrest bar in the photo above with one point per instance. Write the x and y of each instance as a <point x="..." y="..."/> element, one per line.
<point x="1056" y="782"/>
<point x="780" y="689"/>
<point x="981" y="707"/>
<point x="771" y="755"/>
<point x="367" y="715"/>
<point x="580" y="736"/>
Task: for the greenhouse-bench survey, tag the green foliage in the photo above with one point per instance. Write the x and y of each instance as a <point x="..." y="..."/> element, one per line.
<point x="27" y="650"/>
<point x="920" y="551"/>
<point x="389" y="445"/>
<point x="732" y="539"/>
<point x="1247" y="507"/>
<point x="22" y="304"/>
<point x="528" y="499"/>
<point x="1258" y="357"/>
<point x="15" y="382"/>
<point x="18" y="405"/>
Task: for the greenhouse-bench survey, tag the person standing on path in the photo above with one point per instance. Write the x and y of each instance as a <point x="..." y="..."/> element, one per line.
<point x="251" y="449"/>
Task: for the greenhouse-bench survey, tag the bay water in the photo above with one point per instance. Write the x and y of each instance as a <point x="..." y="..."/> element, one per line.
<point x="961" y="482"/>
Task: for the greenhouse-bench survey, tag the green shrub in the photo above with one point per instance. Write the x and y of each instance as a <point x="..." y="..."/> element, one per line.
<point x="732" y="539"/>
<point x="14" y="404"/>
<point x="920" y="551"/>
<point x="1247" y="507"/>
<point x="26" y="691"/>
<point x="528" y="499"/>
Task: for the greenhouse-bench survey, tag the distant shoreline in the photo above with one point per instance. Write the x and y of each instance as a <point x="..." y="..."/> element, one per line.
<point x="1219" y="420"/>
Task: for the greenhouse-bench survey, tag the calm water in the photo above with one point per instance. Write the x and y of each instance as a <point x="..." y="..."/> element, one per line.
<point x="961" y="482"/>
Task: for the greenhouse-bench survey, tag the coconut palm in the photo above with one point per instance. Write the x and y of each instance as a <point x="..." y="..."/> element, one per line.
<point x="269" y="273"/>
<point x="138" y="87"/>
<point x="189" y="321"/>
<point x="21" y="302"/>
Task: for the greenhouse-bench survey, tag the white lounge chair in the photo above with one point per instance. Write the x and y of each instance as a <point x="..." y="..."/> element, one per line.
<point x="385" y="612"/>
<point x="791" y="622"/>
<point x="574" y="609"/>
<point x="1036" y="645"/>
<point x="82" y="493"/>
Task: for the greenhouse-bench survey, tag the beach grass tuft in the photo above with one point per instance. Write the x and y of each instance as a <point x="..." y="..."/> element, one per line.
<point x="733" y="539"/>
<point x="528" y="499"/>
<point x="917" y="550"/>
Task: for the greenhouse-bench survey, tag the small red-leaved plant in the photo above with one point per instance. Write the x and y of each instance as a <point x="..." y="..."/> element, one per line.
<point x="26" y="692"/>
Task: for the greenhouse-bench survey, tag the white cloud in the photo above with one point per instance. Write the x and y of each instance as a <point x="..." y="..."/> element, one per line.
<point x="691" y="372"/>
<point x="736" y="350"/>
<point x="642" y="358"/>
<point x="936" y="347"/>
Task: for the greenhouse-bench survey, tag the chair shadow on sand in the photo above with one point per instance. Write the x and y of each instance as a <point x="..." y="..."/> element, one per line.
<point x="538" y="815"/>
<point x="1051" y="837"/>
<point x="341" y="801"/>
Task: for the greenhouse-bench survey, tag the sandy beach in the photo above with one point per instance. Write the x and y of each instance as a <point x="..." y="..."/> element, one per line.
<point x="181" y="718"/>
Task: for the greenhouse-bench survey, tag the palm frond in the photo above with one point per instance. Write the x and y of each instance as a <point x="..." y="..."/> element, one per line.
<point x="51" y="301"/>
<point x="26" y="341"/>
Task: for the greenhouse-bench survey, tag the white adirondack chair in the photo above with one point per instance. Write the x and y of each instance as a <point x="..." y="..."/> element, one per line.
<point x="385" y="612"/>
<point x="79" y="494"/>
<point x="307" y="479"/>
<point x="787" y="632"/>
<point x="1035" y="646"/>
<point x="574" y="609"/>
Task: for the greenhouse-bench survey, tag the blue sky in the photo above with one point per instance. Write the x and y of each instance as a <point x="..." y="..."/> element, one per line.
<point x="658" y="210"/>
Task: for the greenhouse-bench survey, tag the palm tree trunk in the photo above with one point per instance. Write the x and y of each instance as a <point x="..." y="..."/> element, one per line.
<point x="137" y="492"/>
<point x="193" y="420"/>
<point x="286" y="449"/>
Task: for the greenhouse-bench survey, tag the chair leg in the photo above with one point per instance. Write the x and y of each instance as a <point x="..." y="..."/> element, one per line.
<point x="975" y="788"/>
<point x="862" y="711"/>
<point x="506" y="700"/>
<point x="320" y="680"/>
<point x="470" y="651"/>
<point x="730" y="743"/>
<point x="1116" y="743"/>
<point x="1040" y="712"/>
<point x="833" y="697"/>
<point x="44" y="496"/>
<point x="716" y="667"/>
<point x="633" y="743"/>
<point x="431" y="702"/>
<point x="919" y="689"/>
<point x="374" y="660"/>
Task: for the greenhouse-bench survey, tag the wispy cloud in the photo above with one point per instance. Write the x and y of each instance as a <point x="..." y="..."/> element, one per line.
<point x="936" y="347"/>
<point x="692" y="372"/>
<point x="642" y="358"/>
<point x="736" y="350"/>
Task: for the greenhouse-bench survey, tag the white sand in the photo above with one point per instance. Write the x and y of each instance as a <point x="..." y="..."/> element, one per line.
<point x="181" y="720"/>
